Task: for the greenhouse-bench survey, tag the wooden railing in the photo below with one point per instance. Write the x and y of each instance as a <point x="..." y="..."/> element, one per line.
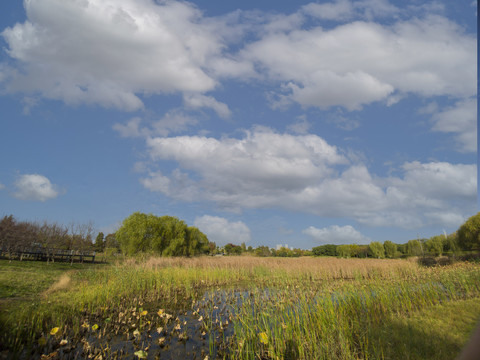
<point x="47" y="254"/>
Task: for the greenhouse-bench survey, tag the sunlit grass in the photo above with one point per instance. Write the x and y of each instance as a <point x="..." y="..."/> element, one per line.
<point x="258" y="308"/>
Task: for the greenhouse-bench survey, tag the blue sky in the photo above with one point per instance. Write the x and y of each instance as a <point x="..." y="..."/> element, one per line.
<point x="272" y="122"/>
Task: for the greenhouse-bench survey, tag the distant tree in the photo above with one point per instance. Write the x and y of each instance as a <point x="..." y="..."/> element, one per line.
<point x="450" y="243"/>
<point x="325" y="250"/>
<point x="362" y="251"/>
<point x="376" y="250"/>
<point x="166" y="236"/>
<point x="402" y="248"/>
<point x="99" y="242"/>
<point x="390" y="249"/>
<point x="232" y="249"/>
<point x="286" y="252"/>
<point x="434" y="245"/>
<point x="262" y="251"/>
<point x="344" y="251"/>
<point x="468" y="235"/>
<point x="354" y="250"/>
<point x="212" y="248"/>
<point x="414" y="248"/>
<point x="111" y="242"/>
<point x="243" y="246"/>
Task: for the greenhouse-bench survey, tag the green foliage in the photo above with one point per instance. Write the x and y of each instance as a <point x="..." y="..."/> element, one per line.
<point x="325" y="250"/>
<point x="263" y="251"/>
<point x="286" y="252"/>
<point x="344" y="251"/>
<point x="414" y="248"/>
<point x="468" y="235"/>
<point x="166" y="236"/>
<point x="376" y="250"/>
<point x="450" y="244"/>
<point x="390" y="249"/>
<point x="99" y="242"/>
<point x="434" y="245"/>
<point x="232" y="249"/>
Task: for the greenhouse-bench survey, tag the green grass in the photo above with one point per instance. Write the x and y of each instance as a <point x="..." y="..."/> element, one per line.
<point x="297" y="308"/>
<point x="26" y="279"/>
<point x="437" y="332"/>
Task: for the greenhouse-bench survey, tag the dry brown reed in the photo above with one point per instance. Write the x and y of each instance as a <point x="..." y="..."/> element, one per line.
<point x="319" y="268"/>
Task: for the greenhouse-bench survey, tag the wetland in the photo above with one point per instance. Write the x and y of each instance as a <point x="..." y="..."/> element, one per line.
<point x="238" y="307"/>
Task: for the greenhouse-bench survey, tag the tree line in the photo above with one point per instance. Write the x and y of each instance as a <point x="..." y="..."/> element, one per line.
<point x="170" y="236"/>
<point x="20" y="234"/>
<point x="466" y="238"/>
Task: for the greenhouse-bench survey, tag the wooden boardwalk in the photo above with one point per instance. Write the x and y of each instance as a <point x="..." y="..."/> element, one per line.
<point x="47" y="254"/>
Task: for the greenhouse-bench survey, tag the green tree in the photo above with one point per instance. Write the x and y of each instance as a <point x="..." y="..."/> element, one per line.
<point x="376" y="250"/>
<point x="344" y="251"/>
<point x="111" y="242"/>
<point x="263" y="251"/>
<point x="468" y="235"/>
<point x="232" y="249"/>
<point x="434" y="245"/>
<point x="390" y="249"/>
<point x="414" y="248"/>
<point x="99" y="242"/>
<point x="325" y="250"/>
<point x="166" y="236"/>
<point x="450" y="243"/>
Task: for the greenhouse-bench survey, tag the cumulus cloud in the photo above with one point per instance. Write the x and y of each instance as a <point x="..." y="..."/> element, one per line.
<point x="174" y="121"/>
<point x="258" y="165"/>
<point x="113" y="51"/>
<point x="109" y="52"/>
<point x="197" y="101"/>
<point x="221" y="231"/>
<point x="460" y="120"/>
<point x="336" y="235"/>
<point x="361" y="62"/>
<point x="304" y="173"/>
<point x="35" y="187"/>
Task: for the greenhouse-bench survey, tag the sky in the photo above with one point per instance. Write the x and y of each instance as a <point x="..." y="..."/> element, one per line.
<point x="265" y="122"/>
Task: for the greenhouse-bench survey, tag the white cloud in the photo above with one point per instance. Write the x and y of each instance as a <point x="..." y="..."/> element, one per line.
<point x="460" y="120"/>
<point x="221" y="231"/>
<point x="304" y="173"/>
<point x="111" y="52"/>
<point x="262" y="160"/>
<point x="130" y="129"/>
<point x="107" y="52"/>
<point x="337" y="235"/>
<point x="35" y="187"/>
<point x="362" y="62"/>
<point x="174" y="121"/>
<point x="197" y="101"/>
<point x="2" y="186"/>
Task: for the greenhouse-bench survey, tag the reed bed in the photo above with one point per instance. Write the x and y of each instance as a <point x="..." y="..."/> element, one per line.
<point x="232" y="307"/>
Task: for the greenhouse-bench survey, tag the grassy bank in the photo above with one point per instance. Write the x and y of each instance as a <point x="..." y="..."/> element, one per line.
<point x="238" y="307"/>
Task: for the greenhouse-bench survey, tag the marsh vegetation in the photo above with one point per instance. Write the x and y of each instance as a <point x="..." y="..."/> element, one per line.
<point x="238" y="307"/>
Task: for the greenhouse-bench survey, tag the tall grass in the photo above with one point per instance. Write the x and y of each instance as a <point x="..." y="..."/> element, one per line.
<point x="283" y="308"/>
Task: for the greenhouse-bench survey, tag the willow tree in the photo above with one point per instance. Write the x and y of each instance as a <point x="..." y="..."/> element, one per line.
<point x="165" y="235"/>
<point x="468" y="234"/>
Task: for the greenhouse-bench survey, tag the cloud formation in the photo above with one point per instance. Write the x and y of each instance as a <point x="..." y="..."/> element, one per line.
<point x="362" y="62"/>
<point x="108" y="52"/>
<point x="460" y="120"/>
<point x="304" y="173"/>
<point x="336" y="235"/>
<point x="35" y="187"/>
<point x="111" y="52"/>
<point x="221" y="231"/>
